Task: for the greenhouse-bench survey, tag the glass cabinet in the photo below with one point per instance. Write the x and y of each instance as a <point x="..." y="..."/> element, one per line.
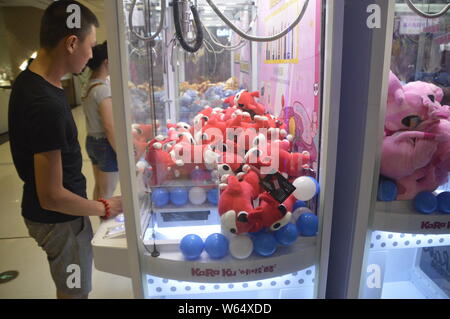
<point x="226" y="129"/>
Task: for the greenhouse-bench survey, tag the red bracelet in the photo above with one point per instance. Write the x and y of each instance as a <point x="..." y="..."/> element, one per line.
<point x="107" y="208"/>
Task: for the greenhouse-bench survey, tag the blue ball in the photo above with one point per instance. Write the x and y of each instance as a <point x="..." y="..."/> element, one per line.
<point x="265" y="244"/>
<point x="259" y="232"/>
<point x="216" y="245"/>
<point x="287" y="235"/>
<point x="425" y="203"/>
<point x="179" y="196"/>
<point x="213" y="196"/>
<point x="298" y="204"/>
<point x="317" y="185"/>
<point x="387" y="190"/>
<point x="444" y="202"/>
<point x="191" y="246"/>
<point x="307" y="225"/>
<point x="160" y="197"/>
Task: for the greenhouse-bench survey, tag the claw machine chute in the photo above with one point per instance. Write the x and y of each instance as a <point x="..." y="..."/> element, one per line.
<point x="399" y="242"/>
<point x="226" y="152"/>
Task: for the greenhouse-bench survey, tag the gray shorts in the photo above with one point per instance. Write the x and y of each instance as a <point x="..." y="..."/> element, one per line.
<point x="69" y="253"/>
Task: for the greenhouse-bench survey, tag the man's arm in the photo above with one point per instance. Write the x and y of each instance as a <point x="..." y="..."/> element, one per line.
<point x="54" y="197"/>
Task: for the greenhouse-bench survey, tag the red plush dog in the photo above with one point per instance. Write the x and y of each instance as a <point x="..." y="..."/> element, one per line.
<point x="269" y="214"/>
<point x="237" y="198"/>
<point x="245" y="101"/>
<point x="161" y="163"/>
<point x="143" y="131"/>
<point x="264" y="154"/>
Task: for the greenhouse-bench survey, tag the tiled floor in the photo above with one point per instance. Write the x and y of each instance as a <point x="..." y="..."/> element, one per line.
<point x="20" y="252"/>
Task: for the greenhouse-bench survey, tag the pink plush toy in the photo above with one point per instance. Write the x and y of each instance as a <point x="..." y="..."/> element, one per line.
<point x="441" y="128"/>
<point x="395" y="90"/>
<point x="426" y="179"/>
<point x="442" y="156"/>
<point x="412" y="104"/>
<point x="425" y="99"/>
<point x="425" y="89"/>
<point x="395" y="109"/>
<point x="416" y="146"/>
<point x="405" y="152"/>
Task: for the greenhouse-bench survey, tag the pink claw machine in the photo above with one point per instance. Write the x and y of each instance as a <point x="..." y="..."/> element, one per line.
<point x="226" y="121"/>
<point x="392" y="238"/>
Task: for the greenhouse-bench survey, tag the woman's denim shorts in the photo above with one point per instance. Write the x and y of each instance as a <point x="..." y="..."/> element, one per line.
<point x="102" y="154"/>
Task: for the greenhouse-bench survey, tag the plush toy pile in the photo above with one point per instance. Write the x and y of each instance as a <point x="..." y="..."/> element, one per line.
<point x="416" y="146"/>
<point x="193" y="98"/>
<point x="230" y="84"/>
<point x="247" y="150"/>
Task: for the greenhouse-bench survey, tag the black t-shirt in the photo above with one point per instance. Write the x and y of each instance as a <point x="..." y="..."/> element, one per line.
<point x="40" y="120"/>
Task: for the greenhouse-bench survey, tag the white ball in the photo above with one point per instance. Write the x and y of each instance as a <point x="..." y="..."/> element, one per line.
<point x="197" y="195"/>
<point x="241" y="247"/>
<point x="141" y="166"/>
<point x="305" y="188"/>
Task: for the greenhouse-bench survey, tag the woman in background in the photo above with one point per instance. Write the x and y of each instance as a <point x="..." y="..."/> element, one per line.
<point x="100" y="141"/>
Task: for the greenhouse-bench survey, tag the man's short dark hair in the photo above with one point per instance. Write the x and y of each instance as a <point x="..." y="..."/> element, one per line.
<point x="54" y="23"/>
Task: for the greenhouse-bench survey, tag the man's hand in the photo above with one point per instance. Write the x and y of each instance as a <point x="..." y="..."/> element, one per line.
<point x="115" y="203"/>
<point x="54" y="197"/>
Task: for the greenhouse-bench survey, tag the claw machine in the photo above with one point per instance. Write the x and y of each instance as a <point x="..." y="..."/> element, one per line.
<point x="226" y="121"/>
<point x="392" y="239"/>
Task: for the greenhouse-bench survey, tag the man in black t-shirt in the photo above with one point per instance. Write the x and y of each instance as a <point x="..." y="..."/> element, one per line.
<point x="46" y="152"/>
